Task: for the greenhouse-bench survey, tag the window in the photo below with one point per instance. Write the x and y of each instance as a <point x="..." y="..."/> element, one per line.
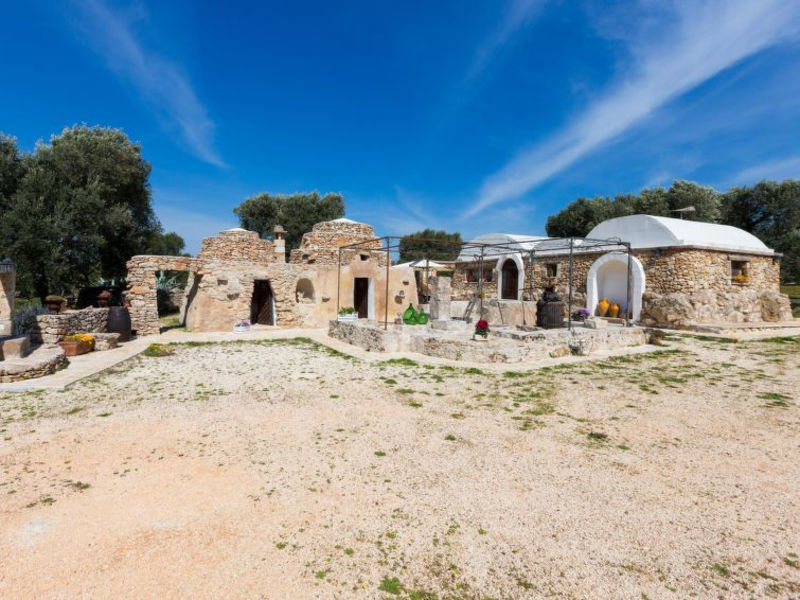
<point x="551" y="270"/>
<point x="473" y="274"/>
<point x="740" y="272"/>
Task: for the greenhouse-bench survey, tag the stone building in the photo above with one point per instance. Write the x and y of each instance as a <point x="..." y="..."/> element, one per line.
<point x="681" y="272"/>
<point x="238" y="276"/>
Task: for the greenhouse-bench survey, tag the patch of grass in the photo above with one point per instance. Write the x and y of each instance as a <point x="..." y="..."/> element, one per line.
<point x="474" y="371"/>
<point x="73" y="410"/>
<point x="450" y="437"/>
<point x="391" y="585"/>
<point x="404" y="391"/>
<point x="389" y="381"/>
<point x="77" y="485"/>
<point x="514" y="374"/>
<point x="623" y="447"/>
<point x="402" y="362"/>
<point x="775" y="400"/>
<point x="104" y="414"/>
<point x="721" y="569"/>
<point x="415" y="404"/>
<point x="597" y="436"/>
<point x="280" y="545"/>
<point x="379" y="453"/>
<point x="320" y="574"/>
<point x="349" y="551"/>
<point x="458" y="416"/>
<point x="158" y="350"/>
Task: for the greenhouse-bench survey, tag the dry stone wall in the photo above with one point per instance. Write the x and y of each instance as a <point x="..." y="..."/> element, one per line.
<point x="52" y="328"/>
<point x="142" y="298"/>
<point x="321" y="245"/>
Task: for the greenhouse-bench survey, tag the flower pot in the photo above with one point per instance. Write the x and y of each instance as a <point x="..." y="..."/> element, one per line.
<point x="76" y="348"/>
<point x="348" y="318"/>
<point x="613" y="311"/>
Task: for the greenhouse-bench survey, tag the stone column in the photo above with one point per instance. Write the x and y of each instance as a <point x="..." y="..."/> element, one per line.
<point x="279" y="242"/>
<point x="441" y="291"/>
<point x="8" y="280"/>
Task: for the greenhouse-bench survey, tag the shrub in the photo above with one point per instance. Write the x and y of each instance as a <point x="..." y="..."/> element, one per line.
<point x="157" y="350"/>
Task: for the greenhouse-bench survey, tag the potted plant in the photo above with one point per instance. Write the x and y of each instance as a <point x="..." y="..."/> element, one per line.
<point x="581" y="314"/>
<point x="348" y="314"/>
<point x="481" y="329"/>
<point x="77" y="344"/>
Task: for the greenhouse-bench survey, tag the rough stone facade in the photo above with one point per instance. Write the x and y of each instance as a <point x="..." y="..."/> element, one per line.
<point x="8" y="278"/>
<point x="303" y="293"/>
<point x="702" y="277"/>
<point x="321" y="245"/>
<point x="52" y="328"/>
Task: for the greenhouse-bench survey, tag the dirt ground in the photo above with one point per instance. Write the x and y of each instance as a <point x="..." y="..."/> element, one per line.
<point x="285" y="470"/>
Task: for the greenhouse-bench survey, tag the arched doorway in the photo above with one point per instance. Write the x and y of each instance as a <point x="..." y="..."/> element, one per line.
<point x="509" y="281"/>
<point x="608" y="278"/>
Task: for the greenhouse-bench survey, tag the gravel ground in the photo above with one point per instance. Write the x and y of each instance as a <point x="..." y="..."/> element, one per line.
<point x="285" y="470"/>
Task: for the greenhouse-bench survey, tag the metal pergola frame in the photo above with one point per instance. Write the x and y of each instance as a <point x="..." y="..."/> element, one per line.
<point x="559" y="246"/>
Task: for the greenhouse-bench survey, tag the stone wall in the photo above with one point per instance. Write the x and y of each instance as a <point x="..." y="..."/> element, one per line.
<point x="52" y="328"/>
<point x="142" y="298"/>
<point x="7" y="287"/>
<point x="238" y="245"/>
<point x="321" y="245"/>
<point x="44" y="360"/>
<point x="703" y="276"/>
<point x="682" y="311"/>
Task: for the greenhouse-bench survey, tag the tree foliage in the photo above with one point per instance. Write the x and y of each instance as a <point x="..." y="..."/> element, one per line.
<point x="296" y="213"/>
<point x="75" y="210"/>
<point x="580" y="217"/>
<point x="768" y="210"/>
<point x="429" y="243"/>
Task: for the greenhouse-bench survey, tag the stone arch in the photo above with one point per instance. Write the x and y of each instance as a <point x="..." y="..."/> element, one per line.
<point x="516" y="260"/>
<point x="304" y="290"/>
<point x="607" y="278"/>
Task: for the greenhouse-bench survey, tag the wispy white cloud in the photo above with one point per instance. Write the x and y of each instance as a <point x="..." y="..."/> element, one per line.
<point x="699" y="39"/>
<point x="157" y="79"/>
<point x="784" y="168"/>
<point x="518" y="13"/>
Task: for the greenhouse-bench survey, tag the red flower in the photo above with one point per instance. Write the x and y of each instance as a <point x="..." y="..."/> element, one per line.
<point x="482" y="324"/>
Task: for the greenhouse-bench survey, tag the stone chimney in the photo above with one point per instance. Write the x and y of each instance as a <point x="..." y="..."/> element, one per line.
<point x="279" y="241"/>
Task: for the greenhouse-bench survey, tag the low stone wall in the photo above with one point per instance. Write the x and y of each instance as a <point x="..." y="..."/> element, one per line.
<point x="498" y="312"/>
<point x="509" y="345"/>
<point x="52" y="328"/>
<point x="45" y="360"/>
<point x="682" y="311"/>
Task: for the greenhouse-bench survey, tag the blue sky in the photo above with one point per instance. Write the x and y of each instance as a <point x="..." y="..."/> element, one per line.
<point x="474" y="117"/>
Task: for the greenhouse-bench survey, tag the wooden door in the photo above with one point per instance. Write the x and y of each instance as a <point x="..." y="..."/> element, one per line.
<point x="361" y="297"/>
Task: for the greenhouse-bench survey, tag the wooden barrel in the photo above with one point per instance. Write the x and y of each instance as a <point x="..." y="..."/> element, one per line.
<point x="552" y="315"/>
<point x="119" y="321"/>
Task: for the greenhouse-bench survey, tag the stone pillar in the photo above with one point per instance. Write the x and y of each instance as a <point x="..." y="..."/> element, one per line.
<point x="279" y="241"/>
<point x="441" y="291"/>
<point x="8" y="280"/>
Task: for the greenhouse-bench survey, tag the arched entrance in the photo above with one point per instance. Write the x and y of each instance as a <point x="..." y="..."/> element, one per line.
<point x="511" y="270"/>
<point x="608" y="278"/>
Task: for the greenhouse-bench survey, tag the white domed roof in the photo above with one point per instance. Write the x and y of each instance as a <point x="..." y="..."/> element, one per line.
<point x="647" y="231"/>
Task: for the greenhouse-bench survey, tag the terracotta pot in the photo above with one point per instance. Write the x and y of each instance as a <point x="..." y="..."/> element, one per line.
<point x="76" y="348"/>
<point x="613" y="311"/>
<point x="602" y="307"/>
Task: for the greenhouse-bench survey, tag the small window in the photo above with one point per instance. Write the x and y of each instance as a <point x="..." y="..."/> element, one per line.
<point x="364" y="256"/>
<point x="740" y="271"/>
<point x="551" y="269"/>
<point x="474" y="274"/>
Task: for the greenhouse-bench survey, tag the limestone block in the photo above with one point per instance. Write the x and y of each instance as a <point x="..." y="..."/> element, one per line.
<point x="595" y="323"/>
<point x="559" y="351"/>
<point x="14" y="347"/>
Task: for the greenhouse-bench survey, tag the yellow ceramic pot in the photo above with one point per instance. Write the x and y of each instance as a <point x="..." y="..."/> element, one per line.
<point x="602" y="307"/>
<point x="613" y="311"/>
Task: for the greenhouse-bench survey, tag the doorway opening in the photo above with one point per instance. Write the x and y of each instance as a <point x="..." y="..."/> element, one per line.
<point x="170" y="301"/>
<point x="262" y="305"/>
<point x="361" y="296"/>
<point x="510" y="278"/>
